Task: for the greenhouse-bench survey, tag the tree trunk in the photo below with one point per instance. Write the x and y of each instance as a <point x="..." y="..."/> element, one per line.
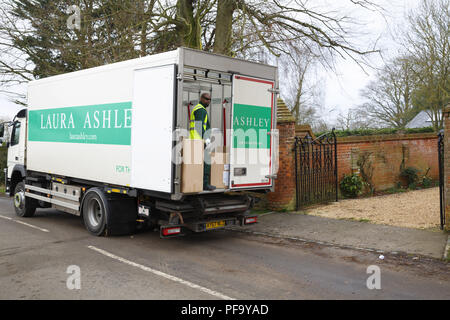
<point x="188" y="26"/>
<point x="224" y="27"/>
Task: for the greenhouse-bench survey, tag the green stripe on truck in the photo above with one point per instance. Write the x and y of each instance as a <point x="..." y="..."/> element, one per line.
<point x="108" y="123"/>
<point x="251" y="125"/>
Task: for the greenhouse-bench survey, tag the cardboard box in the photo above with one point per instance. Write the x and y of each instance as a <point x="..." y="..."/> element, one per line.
<point x="220" y="168"/>
<point x="192" y="166"/>
<point x="193" y="151"/>
<point x="221" y="154"/>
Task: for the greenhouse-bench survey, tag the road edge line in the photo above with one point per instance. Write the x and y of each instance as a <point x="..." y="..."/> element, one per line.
<point x="330" y="244"/>
<point x="25" y="224"/>
<point x="161" y="274"/>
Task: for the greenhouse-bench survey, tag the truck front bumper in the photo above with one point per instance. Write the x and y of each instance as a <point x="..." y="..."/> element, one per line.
<point x="7" y="181"/>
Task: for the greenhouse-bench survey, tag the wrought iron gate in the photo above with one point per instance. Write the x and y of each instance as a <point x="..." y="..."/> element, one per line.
<point x="316" y="169"/>
<point x="441" y="177"/>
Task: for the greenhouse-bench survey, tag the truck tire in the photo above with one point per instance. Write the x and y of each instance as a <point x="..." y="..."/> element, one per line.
<point x="95" y="211"/>
<point x="24" y="206"/>
<point x="109" y="215"/>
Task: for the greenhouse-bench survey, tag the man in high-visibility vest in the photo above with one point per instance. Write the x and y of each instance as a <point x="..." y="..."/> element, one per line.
<point x="199" y="128"/>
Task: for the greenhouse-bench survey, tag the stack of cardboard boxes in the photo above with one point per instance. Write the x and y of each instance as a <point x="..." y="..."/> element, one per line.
<point x="220" y="168"/>
<point x="192" y="167"/>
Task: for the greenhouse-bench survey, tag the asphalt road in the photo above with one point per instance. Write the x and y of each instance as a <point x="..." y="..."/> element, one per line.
<point x="35" y="254"/>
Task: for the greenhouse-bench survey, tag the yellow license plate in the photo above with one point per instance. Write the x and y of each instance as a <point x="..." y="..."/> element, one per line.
<point x="215" y="224"/>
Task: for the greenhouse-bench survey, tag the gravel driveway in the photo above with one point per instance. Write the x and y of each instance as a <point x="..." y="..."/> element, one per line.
<point x="412" y="209"/>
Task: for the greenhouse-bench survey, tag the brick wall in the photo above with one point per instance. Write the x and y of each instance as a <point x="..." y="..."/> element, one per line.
<point x="284" y="195"/>
<point x="385" y="155"/>
<point x="447" y="166"/>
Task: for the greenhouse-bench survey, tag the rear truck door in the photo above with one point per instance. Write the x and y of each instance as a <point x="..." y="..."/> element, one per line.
<point x="153" y="124"/>
<point x="252" y="122"/>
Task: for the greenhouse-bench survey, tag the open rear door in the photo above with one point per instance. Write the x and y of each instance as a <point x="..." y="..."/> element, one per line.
<point x="251" y="126"/>
<point x="151" y="132"/>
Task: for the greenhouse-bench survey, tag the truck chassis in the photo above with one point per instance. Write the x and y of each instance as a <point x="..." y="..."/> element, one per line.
<point x="109" y="210"/>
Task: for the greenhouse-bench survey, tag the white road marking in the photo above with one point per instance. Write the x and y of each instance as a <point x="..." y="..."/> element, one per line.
<point x="162" y="274"/>
<point x="266" y="213"/>
<point x="24" y="223"/>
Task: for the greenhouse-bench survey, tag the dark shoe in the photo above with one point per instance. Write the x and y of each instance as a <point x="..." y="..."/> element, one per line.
<point x="209" y="187"/>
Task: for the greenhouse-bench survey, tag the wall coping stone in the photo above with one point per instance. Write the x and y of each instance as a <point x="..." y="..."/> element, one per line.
<point x="387" y="137"/>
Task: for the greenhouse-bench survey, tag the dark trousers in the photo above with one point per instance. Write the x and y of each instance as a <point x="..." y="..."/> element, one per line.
<point x="206" y="174"/>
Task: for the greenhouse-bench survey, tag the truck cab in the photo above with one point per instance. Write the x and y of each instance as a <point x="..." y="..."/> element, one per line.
<point x="14" y="134"/>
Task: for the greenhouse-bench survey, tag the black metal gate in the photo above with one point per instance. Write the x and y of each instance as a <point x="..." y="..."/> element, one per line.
<point x="316" y="169"/>
<point x="441" y="177"/>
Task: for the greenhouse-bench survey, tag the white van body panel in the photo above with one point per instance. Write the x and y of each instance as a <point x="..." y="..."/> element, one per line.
<point x="88" y="89"/>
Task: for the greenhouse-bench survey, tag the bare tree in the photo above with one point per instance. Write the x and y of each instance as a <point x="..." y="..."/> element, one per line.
<point x="301" y="89"/>
<point x="427" y="41"/>
<point x="320" y="125"/>
<point x="273" y="23"/>
<point x="344" y="121"/>
<point x="35" y="41"/>
<point x="353" y="119"/>
<point x="389" y="97"/>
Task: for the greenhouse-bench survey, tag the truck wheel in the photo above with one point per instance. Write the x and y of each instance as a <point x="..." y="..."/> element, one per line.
<point x="95" y="207"/>
<point x="24" y="207"/>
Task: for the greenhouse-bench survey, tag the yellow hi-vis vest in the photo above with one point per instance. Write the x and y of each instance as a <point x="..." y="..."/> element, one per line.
<point x="193" y="133"/>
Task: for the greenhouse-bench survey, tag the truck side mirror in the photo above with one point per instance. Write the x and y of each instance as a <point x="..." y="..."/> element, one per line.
<point x="2" y="133"/>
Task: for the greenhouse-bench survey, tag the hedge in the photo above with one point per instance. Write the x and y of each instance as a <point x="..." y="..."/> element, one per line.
<point x="374" y="132"/>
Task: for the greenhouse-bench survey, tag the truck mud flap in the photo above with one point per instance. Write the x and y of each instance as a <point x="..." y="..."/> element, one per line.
<point x="122" y="216"/>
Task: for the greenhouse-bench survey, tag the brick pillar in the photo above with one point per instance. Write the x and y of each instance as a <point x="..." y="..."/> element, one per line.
<point x="283" y="198"/>
<point x="447" y="166"/>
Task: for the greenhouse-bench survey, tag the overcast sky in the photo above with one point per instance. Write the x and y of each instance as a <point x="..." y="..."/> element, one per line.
<point x="341" y="89"/>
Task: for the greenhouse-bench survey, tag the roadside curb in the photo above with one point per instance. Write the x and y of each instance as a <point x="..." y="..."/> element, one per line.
<point x="447" y="250"/>
<point x="414" y="256"/>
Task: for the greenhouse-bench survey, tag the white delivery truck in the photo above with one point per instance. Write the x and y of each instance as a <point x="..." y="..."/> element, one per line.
<point x="111" y="143"/>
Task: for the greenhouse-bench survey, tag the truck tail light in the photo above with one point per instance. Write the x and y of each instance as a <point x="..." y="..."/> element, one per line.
<point x="250" y="220"/>
<point x="171" y="231"/>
